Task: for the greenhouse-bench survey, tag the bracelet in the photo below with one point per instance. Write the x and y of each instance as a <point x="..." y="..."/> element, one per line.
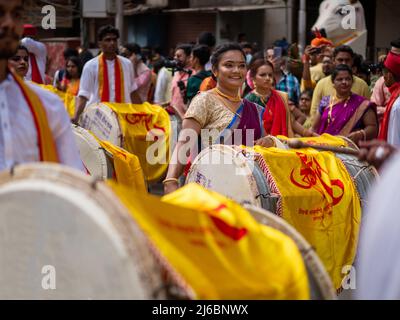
<point x="364" y="134"/>
<point x="170" y="180"/>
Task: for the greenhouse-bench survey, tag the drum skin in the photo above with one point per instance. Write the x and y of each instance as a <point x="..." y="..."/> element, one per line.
<point x="71" y="238"/>
<point x="97" y="161"/>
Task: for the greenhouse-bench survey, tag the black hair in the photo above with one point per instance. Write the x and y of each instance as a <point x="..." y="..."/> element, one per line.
<point x="395" y="43"/>
<point x="339" y="68"/>
<point x="221" y="49"/>
<point x="21" y="47"/>
<point x="187" y="48"/>
<point x="343" y="48"/>
<point x="104" y="30"/>
<point x="70" y="52"/>
<point x="246" y="45"/>
<point x="207" y="38"/>
<point x="201" y="52"/>
<point x="76" y="61"/>
<point x="133" y="48"/>
<point x="308" y="92"/>
<point x="257" y="64"/>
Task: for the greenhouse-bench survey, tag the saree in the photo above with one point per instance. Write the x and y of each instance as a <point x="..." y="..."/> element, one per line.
<point x="346" y="116"/>
<point x="276" y="118"/>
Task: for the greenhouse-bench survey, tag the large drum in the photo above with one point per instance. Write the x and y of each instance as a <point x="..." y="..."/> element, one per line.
<point x="321" y="287"/>
<point x="97" y="161"/>
<point x="235" y="173"/>
<point x="135" y="131"/>
<point x="62" y="236"/>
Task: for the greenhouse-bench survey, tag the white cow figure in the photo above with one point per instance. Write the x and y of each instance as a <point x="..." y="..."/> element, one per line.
<point x="344" y="23"/>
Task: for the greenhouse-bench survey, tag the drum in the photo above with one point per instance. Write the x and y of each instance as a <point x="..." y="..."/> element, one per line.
<point x="63" y="236"/>
<point x="97" y="161"/>
<point x="103" y="122"/>
<point x="321" y="287"/>
<point x="235" y="173"/>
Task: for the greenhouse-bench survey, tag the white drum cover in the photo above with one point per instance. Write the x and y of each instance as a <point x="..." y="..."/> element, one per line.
<point x="103" y="122"/>
<point x="95" y="159"/>
<point x="63" y="237"/>
<point x="225" y="169"/>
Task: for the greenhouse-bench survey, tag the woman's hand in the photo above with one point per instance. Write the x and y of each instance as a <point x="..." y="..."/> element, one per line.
<point x="355" y="136"/>
<point x="170" y="187"/>
<point x="266" y="142"/>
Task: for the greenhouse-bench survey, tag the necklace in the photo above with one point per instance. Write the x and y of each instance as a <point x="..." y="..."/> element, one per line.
<point x="264" y="100"/>
<point x="333" y="101"/>
<point x="224" y="103"/>
<point x="233" y="99"/>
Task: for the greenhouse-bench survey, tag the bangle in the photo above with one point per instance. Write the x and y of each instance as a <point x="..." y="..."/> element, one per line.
<point x="170" y="180"/>
<point x="364" y="134"/>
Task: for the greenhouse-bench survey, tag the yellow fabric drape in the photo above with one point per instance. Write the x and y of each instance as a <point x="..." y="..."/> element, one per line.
<point x="127" y="167"/>
<point x="145" y="128"/>
<point x="319" y="198"/>
<point x="66" y="98"/>
<point x="217" y="247"/>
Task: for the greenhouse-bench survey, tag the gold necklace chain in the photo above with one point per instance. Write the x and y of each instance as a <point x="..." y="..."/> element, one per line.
<point x="233" y="99"/>
<point x="333" y="101"/>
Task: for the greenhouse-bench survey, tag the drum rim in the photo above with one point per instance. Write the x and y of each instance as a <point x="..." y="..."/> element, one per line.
<point x="103" y="106"/>
<point x="310" y="257"/>
<point x="129" y="232"/>
<point x="228" y="149"/>
<point x="96" y="147"/>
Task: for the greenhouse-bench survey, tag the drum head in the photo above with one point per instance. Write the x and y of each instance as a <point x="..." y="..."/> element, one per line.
<point x="103" y="122"/>
<point x="63" y="237"/>
<point x="94" y="157"/>
<point x="319" y="281"/>
<point x="226" y="170"/>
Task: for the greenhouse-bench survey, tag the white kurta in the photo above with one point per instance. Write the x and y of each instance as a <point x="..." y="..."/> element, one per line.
<point x="89" y="84"/>
<point x="18" y="135"/>
<point x="394" y="124"/>
<point x="40" y="52"/>
<point x="378" y="268"/>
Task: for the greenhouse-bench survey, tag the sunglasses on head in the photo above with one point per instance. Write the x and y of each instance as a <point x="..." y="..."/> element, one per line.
<point x="18" y="58"/>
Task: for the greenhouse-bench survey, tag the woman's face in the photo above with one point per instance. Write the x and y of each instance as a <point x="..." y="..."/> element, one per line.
<point x="20" y="62"/>
<point x="305" y="103"/>
<point x="343" y="83"/>
<point x="231" y="70"/>
<point x="264" y="77"/>
<point x="72" y="69"/>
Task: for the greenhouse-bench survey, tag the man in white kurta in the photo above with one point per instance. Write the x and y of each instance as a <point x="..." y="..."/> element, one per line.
<point x="89" y="90"/>
<point x="19" y="139"/>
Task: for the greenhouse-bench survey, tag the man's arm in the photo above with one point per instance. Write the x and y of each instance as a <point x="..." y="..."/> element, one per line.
<point x="80" y="106"/>
<point x="35" y="47"/>
<point x="317" y="96"/>
<point x="86" y="88"/>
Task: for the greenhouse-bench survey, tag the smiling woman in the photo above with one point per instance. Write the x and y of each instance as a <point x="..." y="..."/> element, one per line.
<point x="220" y="110"/>
<point x="345" y="113"/>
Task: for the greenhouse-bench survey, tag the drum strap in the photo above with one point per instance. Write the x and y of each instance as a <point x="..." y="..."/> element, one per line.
<point x="46" y="143"/>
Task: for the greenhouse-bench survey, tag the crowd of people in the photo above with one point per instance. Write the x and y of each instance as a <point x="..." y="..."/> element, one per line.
<point x="226" y="88"/>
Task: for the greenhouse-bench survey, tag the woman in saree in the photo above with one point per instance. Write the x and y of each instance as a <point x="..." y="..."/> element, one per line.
<point x="278" y="118"/>
<point x="71" y="80"/>
<point x="345" y="113"/>
<point x="220" y="112"/>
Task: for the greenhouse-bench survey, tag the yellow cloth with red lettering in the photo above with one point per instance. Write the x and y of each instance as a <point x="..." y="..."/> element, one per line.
<point x="217" y="247"/>
<point x="66" y="98"/>
<point x="46" y="143"/>
<point x="146" y="130"/>
<point x="127" y="167"/>
<point x="324" y="140"/>
<point x="318" y="198"/>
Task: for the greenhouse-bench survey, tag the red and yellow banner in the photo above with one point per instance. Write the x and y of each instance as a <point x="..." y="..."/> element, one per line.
<point x="146" y="130"/>
<point x="217" y="247"/>
<point x="319" y="198"/>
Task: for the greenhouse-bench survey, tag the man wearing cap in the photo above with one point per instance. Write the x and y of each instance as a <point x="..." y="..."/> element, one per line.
<point x="34" y="125"/>
<point x="390" y="130"/>
<point x="37" y="55"/>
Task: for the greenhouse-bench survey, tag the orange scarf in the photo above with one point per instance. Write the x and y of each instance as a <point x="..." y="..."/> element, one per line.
<point x="104" y="88"/>
<point x="46" y="143"/>
<point x="395" y="93"/>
